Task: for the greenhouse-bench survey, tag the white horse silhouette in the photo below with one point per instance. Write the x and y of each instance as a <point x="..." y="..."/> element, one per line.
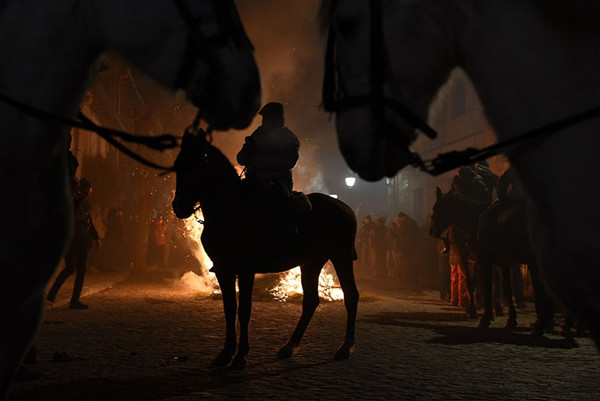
<point x="532" y="62"/>
<point x="48" y="48"/>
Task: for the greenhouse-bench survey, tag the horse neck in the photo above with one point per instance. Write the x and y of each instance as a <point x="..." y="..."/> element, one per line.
<point x="222" y="199"/>
<point x="466" y="211"/>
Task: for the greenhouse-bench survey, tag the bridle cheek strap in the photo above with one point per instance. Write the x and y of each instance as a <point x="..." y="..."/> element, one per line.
<point x="333" y="102"/>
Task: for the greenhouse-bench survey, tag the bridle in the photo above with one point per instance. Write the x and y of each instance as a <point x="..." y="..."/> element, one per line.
<point x="197" y="43"/>
<point x="376" y="100"/>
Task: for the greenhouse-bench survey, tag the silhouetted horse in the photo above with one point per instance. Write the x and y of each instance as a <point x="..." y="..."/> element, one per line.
<point x="502" y="239"/>
<point x="48" y="51"/>
<point x="462" y="215"/>
<point x="240" y="244"/>
<point x="532" y="63"/>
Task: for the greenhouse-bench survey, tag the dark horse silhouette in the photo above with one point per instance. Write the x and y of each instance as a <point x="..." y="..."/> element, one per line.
<point x="497" y="236"/>
<point x="327" y="232"/>
<point x="502" y="239"/>
<point x="461" y="214"/>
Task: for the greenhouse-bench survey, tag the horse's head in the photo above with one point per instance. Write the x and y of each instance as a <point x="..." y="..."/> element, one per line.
<point x="196" y="45"/>
<point x="385" y="61"/>
<point x="204" y="175"/>
<point x="441" y="216"/>
<point x="191" y="168"/>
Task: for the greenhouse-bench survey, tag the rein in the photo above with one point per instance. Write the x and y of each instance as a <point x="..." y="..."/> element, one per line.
<point x="450" y="160"/>
<point x="197" y="44"/>
<point x="161" y="142"/>
<point x="334" y="102"/>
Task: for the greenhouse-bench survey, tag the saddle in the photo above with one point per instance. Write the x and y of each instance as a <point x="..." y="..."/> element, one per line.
<point x="280" y="211"/>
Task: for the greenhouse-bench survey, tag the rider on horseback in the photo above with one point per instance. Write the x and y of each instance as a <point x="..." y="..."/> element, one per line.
<point x="269" y="155"/>
<point x="470" y="184"/>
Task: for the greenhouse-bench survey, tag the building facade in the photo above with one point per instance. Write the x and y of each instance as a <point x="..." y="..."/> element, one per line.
<point x="459" y="118"/>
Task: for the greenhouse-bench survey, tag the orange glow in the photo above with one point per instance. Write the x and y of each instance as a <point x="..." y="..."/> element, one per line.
<point x="289" y="284"/>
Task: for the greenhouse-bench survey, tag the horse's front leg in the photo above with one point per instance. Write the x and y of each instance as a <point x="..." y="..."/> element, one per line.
<point x="464" y="266"/>
<point x="485" y="267"/>
<point x="227" y="283"/>
<point x="246" y="284"/>
<point x="310" y="302"/>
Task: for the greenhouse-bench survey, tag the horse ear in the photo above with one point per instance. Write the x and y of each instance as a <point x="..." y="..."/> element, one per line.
<point x="438" y="193"/>
<point x="187" y="137"/>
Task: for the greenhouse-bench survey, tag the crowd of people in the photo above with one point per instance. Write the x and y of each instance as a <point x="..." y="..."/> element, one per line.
<point x="387" y="252"/>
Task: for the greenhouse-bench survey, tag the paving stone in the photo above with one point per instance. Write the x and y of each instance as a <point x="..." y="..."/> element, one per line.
<point x="155" y="341"/>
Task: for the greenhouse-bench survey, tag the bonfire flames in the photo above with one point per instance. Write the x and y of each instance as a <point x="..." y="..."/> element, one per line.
<point x="289" y="283"/>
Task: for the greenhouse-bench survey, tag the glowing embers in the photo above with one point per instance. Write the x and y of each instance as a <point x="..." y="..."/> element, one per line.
<point x="287" y="287"/>
<point x="290" y="285"/>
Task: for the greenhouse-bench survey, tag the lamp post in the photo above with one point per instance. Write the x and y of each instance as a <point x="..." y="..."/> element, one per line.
<point x="350" y="181"/>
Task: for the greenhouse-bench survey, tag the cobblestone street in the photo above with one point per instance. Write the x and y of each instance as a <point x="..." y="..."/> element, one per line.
<point x="155" y="341"/>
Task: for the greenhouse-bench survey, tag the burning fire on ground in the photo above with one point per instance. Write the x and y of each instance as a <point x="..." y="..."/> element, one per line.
<point x="289" y="283"/>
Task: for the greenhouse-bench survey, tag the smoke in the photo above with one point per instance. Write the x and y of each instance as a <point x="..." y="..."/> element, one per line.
<point x="290" y="52"/>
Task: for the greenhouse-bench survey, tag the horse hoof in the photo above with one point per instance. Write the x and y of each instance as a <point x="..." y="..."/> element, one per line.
<point x="510" y="325"/>
<point x="537" y="330"/>
<point x="566" y="333"/>
<point x="221" y="360"/>
<point x="287" y="351"/>
<point x="239" y="362"/>
<point x="343" y="353"/>
<point x="483" y="323"/>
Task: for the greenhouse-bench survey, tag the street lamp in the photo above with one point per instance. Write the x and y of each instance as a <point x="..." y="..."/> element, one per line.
<point x="350" y="181"/>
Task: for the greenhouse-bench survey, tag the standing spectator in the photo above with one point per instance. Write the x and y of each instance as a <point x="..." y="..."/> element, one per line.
<point x="113" y="245"/>
<point x="158" y="241"/>
<point x="84" y="234"/>
<point x="363" y="245"/>
<point x="458" y="287"/>
<point x="379" y="248"/>
<point x="408" y="230"/>
<point x="391" y="237"/>
<point x="444" y="269"/>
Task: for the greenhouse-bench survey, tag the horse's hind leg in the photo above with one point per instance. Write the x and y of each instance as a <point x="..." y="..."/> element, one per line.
<point x="345" y="273"/>
<point x="246" y="284"/>
<point x="544" y="305"/>
<point x="310" y="301"/>
<point x="227" y="284"/>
